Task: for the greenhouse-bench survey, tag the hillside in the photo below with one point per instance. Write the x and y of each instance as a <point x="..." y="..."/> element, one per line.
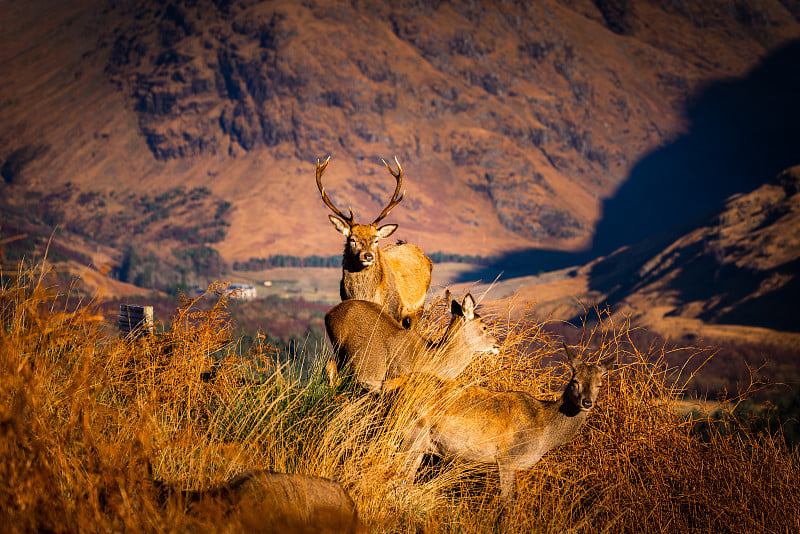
<point x="739" y="266"/>
<point x="731" y="275"/>
<point x="108" y="434"/>
<point x="186" y="134"/>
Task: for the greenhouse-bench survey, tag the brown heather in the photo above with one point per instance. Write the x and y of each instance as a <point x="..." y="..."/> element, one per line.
<point x="98" y="433"/>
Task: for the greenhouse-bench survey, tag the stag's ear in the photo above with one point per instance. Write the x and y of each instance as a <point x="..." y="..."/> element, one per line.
<point x="468" y="307"/>
<point x="386" y="230"/>
<point x="341" y="226"/>
<point x="572" y="359"/>
<point x="606" y="365"/>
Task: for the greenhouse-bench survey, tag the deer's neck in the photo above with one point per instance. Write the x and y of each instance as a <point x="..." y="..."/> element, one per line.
<point x="564" y="419"/>
<point x="452" y="341"/>
<point x="359" y="282"/>
<point x="451" y="354"/>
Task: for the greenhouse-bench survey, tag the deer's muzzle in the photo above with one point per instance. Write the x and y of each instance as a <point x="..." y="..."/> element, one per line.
<point x="367" y="258"/>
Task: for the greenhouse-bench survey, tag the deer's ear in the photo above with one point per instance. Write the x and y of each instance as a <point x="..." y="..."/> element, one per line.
<point x="386" y="230"/>
<point x="572" y="359"/>
<point x="455" y="306"/>
<point x="341" y="226"/>
<point x="607" y="364"/>
<point x="468" y="306"/>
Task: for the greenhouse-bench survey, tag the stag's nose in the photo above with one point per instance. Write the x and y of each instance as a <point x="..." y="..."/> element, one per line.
<point x="586" y="403"/>
<point x="368" y="256"/>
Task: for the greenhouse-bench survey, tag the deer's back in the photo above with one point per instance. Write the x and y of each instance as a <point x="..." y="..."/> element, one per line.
<point x="369" y="339"/>
<point x="412" y="273"/>
<point x="261" y="501"/>
<point x="473" y="422"/>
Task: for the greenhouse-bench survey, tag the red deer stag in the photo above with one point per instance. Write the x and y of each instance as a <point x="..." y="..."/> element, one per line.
<point x="397" y="276"/>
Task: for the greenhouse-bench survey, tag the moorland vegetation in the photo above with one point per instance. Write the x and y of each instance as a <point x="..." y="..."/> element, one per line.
<point x="93" y="428"/>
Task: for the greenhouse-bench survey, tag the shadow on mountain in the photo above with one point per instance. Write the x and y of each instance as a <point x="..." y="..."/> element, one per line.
<point x="729" y="289"/>
<point x="742" y="133"/>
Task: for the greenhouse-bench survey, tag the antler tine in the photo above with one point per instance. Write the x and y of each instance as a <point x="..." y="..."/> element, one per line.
<point x="394" y="200"/>
<point x="321" y="169"/>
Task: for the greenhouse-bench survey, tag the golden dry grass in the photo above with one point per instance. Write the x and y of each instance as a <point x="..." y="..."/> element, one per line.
<point x="85" y="418"/>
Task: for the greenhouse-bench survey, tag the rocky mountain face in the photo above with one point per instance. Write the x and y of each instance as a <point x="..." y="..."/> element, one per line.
<point x="196" y="123"/>
<point x="730" y="275"/>
<point x="738" y="266"/>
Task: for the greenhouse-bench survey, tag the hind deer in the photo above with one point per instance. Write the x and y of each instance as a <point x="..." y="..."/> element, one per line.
<point x="262" y="501"/>
<point x="378" y="347"/>
<point x="512" y="429"/>
<point x="396" y="276"/>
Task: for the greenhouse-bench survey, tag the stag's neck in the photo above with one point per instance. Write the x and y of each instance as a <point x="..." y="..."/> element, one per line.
<point x="359" y="282"/>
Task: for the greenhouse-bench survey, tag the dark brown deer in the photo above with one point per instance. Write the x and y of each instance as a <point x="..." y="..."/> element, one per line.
<point x="397" y="276"/>
<point x="512" y="429"/>
<point x="378" y="347"/>
<point x="262" y="501"/>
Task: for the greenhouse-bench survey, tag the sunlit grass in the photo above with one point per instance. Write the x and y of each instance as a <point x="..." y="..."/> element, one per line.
<point x="93" y="428"/>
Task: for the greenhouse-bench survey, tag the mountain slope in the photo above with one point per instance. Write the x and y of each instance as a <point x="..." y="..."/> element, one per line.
<point x="167" y="127"/>
<point x="740" y="267"/>
<point x="729" y="274"/>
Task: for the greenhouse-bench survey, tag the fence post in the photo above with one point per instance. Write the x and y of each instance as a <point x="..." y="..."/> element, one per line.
<point x="135" y="321"/>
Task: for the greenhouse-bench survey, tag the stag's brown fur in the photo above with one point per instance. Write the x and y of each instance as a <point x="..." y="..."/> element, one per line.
<point x="396" y="276"/>
<point x="377" y="346"/>
<point x="512" y="429"/>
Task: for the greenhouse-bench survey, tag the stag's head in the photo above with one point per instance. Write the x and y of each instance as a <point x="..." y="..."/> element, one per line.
<point x="361" y="250"/>
<point x="584" y="386"/>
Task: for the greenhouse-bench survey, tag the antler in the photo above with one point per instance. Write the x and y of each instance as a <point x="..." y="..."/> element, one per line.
<point x="394" y="201"/>
<point x="325" y="199"/>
